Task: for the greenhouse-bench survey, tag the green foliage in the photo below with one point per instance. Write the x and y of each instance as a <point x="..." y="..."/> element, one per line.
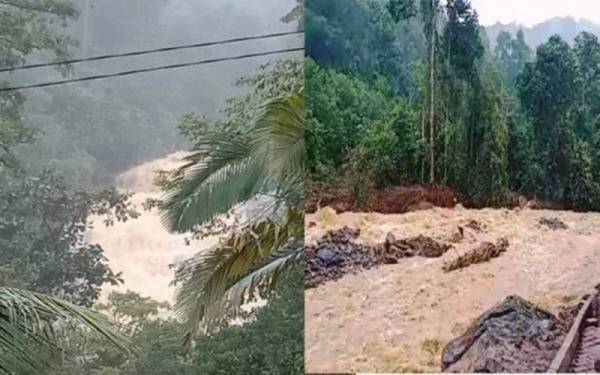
<point x="490" y="177"/>
<point x="258" y="154"/>
<point x="29" y="26"/>
<point x="462" y="41"/>
<point x="42" y="228"/>
<point x="511" y="55"/>
<point x="391" y="147"/>
<point x="340" y="109"/>
<point x="216" y="282"/>
<point x="230" y="166"/>
<point x="131" y="309"/>
<point x="271" y="344"/>
<point x="584" y="188"/>
<point x="501" y="121"/>
<point x="402" y="10"/>
<point x="547" y="91"/>
<point x="362" y="37"/>
<point x="587" y="52"/>
<point x="278" y="79"/>
<point x="32" y="324"/>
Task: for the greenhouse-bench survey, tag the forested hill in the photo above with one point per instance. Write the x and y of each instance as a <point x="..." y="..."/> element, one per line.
<point x="567" y="27"/>
<point x="90" y="132"/>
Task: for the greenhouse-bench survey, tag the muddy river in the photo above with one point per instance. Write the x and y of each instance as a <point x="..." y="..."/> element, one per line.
<point x="397" y="318"/>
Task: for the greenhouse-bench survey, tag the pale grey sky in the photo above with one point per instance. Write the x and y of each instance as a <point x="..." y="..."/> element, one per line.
<point x="531" y="12"/>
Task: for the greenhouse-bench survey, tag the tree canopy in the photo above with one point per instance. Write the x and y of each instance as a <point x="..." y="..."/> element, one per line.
<point x="487" y="123"/>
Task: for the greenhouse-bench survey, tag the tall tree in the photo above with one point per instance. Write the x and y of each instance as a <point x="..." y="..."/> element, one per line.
<point x="402" y="10"/>
<point x="547" y="90"/>
<point x="587" y="51"/>
<point x="429" y="12"/>
<point x="511" y="55"/>
<point x="462" y="52"/>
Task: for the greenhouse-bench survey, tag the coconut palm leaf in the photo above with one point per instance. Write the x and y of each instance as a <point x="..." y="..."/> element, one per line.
<point x="230" y="167"/>
<point x="31" y="321"/>
<point x="217" y="282"/>
<point x="227" y="169"/>
<point x="279" y="140"/>
<point x="218" y="175"/>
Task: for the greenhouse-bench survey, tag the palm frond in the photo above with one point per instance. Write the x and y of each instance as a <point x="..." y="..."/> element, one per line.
<point x="29" y="320"/>
<point x="220" y="280"/>
<point x="230" y="168"/>
<point x="279" y="140"/>
<point x="219" y="175"/>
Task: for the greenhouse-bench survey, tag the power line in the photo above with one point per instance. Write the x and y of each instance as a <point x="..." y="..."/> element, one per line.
<point x="146" y="52"/>
<point x="146" y="70"/>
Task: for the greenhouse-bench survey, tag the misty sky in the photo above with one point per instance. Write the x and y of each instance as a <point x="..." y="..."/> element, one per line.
<point x="531" y="12"/>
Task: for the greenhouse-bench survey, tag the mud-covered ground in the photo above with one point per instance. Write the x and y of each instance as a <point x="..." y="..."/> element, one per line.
<point x="398" y="317"/>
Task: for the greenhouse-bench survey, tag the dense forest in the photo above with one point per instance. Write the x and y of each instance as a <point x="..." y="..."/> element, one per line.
<point x="60" y="151"/>
<point x="404" y="92"/>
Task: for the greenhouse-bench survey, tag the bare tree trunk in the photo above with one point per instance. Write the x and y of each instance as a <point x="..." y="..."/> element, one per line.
<point x="423" y="140"/>
<point x="432" y="95"/>
<point x="448" y="110"/>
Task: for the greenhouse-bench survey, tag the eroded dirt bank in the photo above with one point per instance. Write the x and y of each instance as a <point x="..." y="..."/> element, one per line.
<point x="396" y="318"/>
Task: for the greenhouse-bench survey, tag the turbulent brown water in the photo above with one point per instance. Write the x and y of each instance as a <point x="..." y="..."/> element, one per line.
<point x="143" y="249"/>
<point x="397" y="318"/>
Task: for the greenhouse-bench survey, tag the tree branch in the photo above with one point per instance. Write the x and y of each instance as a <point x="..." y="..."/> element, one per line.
<point x="57" y="9"/>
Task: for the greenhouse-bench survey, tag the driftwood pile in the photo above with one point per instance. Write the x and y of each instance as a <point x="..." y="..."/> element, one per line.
<point x="337" y="254"/>
<point x="480" y="254"/>
<point x="394" y="250"/>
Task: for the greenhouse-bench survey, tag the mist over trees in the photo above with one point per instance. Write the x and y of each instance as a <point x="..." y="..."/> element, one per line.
<point x="90" y="132"/>
<point x="567" y="27"/>
<point x="490" y="122"/>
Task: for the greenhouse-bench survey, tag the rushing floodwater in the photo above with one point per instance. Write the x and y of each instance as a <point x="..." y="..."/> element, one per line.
<point x="397" y="318"/>
<point x="142" y="249"/>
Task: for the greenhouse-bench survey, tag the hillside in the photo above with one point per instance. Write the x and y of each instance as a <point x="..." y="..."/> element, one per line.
<point x="566" y="27"/>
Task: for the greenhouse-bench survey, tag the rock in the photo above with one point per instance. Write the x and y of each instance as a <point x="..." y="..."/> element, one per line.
<point x="514" y="336"/>
<point x="328" y="257"/>
<point x="389" y="239"/>
<point x="335" y="255"/>
<point x="553" y="223"/>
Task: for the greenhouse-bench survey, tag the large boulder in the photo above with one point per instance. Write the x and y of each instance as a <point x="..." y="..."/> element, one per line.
<point x="514" y="336"/>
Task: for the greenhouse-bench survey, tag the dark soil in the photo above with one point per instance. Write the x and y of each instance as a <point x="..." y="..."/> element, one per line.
<point x="480" y="254"/>
<point x="393" y="200"/>
<point x="512" y="337"/>
<point x="337" y="254"/>
<point x="334" y="255"/>
<point x="553" y="223"/>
